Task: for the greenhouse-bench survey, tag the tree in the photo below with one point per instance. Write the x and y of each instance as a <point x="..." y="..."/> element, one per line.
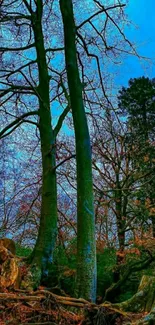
<point x="85" y="214"/>
<point x="118" y="184"/>
<point x="32" y="85"/>
<point x="86" y="247"/>
<point x="38" y="72"/>
<point x="137" y="103"/>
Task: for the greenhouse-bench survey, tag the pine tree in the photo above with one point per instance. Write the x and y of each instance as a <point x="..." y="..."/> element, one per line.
<point x="137" y="104"/>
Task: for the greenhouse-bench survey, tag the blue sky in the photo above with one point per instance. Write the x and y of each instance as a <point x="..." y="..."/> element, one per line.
<point x="141" y="13"/>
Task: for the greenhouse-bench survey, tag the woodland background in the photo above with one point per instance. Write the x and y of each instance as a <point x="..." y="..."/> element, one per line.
<point x="57" y="89"/>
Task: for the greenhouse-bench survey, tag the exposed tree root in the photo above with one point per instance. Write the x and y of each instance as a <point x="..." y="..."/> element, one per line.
<point x="44" y="307"/>
<point x="135" y="267"/>
<point x="143" y="301"/>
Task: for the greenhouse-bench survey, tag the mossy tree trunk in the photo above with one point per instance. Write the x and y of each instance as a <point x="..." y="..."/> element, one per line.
<point x="114" y="289"/>
<point x="46" y="240"/>
<point x="120" y="207"/>
<point x="142" y="301"/>
<point x="86" y="266"/>
<point x="153" y="225"/>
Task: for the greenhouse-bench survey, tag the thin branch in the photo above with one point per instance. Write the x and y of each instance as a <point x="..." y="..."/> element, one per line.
<point x="66" y="110"/>
<point x="68" y="221"/>
<point x="13" y="129"/>
<point x="31" y="122"/>
<point x="6" y="49"/>
<point x="15" y="91"/>
<point x="10" y="72"/>
<point x="28" y="7"/>
<point x="55" y="49"/>
<point x="99" y="12"/>
<point x="17" y="16"/>
<point x="63" y="161"/>
<point x="98" y="66"/>
<point x="18" y="119"/>
<point x="117" y="26"/>
<point x="61" y="119"/>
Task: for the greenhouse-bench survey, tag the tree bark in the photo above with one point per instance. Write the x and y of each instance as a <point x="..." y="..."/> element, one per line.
<point x="114" y="289"/>
<point x="142" y="301"/>
<point x="46" y="240"/>
<point x="86" y="259"/>
<point x="120" y="218"/>
<point x="153" y="225"/>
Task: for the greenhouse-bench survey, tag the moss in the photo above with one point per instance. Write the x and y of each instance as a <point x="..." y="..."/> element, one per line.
<point x="32" y="279"/>
<point x="106" y="261"/>
<point x="23" y="250"/>
<point x="143" y="300"/>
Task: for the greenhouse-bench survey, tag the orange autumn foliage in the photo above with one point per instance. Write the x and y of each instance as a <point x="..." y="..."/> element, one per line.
<point x="69" y="272"/>
<point x="100" y="245"/>
<point x="128" y="251"/>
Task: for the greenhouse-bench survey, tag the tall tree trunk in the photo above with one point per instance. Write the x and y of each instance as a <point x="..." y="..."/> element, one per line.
<point x="153" y="225"/>
<point x="86" y="263"/>
<point x="45" y="244"/>
<point x="119" y="215"/>
<point x="120" y="227"/>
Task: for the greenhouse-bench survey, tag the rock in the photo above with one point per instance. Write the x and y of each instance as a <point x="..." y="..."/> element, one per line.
<point x="9" y="272"/>
<point x="3" y="254"/>
<point x="9" y="244"/>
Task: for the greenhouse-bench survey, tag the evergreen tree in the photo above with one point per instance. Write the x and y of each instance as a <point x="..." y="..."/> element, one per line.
<point x="137" y="104"/>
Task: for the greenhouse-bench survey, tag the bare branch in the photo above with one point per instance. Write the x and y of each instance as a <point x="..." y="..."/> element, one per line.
<point x="61" y="119"/>
<point x="16" y="17"/>
<point x="54" y="49"/>
<point x="63" y="161"/>
<point x="16" y="91"/>
<point x="8" y="49"/>
<point x="99" y="12"/>
<point x="65" y="112"/>
<point x="68" y="221"/>
<point x="17" y="121"/>
<point x="10" y="72"/>
<point x="15" y="127"/>
<point x="28" y="7"/>
<point x="117" y="26"/>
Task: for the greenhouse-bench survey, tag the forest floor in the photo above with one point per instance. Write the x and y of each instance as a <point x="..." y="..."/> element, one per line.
<point x="43" y="307"/>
